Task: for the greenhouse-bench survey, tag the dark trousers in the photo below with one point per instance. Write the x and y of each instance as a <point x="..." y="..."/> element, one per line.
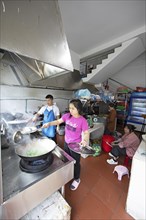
<point x="107" y="132"/>
<point x="77" y="157"/>
<point x="117" y="151"/>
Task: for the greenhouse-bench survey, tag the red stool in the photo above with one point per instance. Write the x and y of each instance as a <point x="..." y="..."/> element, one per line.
<point x="127" y="160"/>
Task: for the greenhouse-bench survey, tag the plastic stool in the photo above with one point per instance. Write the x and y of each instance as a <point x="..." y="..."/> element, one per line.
<point x="121" y="170"/>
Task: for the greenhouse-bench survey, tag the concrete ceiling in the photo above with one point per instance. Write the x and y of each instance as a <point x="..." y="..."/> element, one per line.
<point x="91" y="26"/>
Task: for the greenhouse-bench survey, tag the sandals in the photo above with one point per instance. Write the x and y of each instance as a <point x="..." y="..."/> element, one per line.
<point x="75" y="184"/>
<point x="112" y="161"/>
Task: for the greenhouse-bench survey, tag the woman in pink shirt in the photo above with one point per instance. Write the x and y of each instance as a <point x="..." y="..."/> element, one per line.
<point x="126" y="145"/>
<point x="76" y="131"/>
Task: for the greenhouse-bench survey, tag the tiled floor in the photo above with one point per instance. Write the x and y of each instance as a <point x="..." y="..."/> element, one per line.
<point x="100" y="194"/>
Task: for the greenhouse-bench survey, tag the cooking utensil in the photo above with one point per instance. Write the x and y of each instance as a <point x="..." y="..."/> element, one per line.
<point x="112" y="145"/>
<point x="29" y="130"/>
<point x="87" y="150"/>
<point x="17" y="137"/>
<point x="36" y="149"/>
<point x="78" y="148"/>
<point x="108" y="144"/>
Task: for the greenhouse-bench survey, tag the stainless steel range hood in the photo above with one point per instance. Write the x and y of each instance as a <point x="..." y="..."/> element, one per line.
<point x="31" y="69"/>
<point x="31" y="73"/>
<point x="34" y="30"/>
<point x="34" y="45"/>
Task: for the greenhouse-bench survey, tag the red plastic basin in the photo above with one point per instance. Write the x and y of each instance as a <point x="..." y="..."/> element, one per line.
<point x="106" y="141"/>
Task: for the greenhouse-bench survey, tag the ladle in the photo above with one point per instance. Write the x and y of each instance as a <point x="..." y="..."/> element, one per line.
<point x="17" y="137"/>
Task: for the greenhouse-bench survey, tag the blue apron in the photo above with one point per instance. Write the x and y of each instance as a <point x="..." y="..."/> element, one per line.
<point x="51" y="130"/>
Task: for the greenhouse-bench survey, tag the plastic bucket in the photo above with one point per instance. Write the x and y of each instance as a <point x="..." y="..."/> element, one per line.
<point x="106" y="141"/>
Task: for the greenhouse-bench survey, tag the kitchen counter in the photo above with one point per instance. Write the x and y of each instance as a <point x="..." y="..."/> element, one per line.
<point x="14" y="180"/>
<point x="97" y="130"/>
<point x="135" y="204"/>
<point x="27" y="190"/>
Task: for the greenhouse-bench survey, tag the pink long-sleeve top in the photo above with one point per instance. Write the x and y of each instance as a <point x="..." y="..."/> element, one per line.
<point x="130" y="142"/>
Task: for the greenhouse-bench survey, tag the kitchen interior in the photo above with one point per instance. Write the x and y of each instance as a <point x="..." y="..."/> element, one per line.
<point x="78" y="58"/>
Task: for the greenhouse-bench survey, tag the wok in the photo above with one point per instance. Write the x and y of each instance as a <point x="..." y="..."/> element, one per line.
<point x="77" y="148"/>
<point x="36" y="149"/>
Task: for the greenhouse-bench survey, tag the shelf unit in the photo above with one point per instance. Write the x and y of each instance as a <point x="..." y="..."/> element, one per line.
<point x="122" y="100"/>
<point x="137" y="109"/>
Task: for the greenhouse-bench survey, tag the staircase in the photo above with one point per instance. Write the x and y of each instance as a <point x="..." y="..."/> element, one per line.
<point x="114" y="61"/>
<point x="90" y="63"/>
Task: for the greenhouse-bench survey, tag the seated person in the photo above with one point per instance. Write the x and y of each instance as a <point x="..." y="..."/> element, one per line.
<point x="126" y="145"/>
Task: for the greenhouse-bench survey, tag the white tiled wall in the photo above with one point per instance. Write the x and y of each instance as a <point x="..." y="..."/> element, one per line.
<point x="27" y="100"/>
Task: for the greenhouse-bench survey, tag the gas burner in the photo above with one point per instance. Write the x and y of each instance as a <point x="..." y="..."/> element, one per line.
<point x="37" y="165"/>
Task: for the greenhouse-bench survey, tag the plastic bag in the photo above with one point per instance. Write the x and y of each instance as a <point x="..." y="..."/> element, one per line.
<point x="83" y="93"/>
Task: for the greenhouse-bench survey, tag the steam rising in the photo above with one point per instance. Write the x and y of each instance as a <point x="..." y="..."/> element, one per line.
<point x="11" y="123"/>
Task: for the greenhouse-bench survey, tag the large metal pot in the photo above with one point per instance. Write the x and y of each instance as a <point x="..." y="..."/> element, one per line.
<point x="36" y="149"/>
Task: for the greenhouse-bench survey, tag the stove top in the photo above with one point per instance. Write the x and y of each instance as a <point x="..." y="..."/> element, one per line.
<point x="15" y="180"/>
<point x="36" y="166"/>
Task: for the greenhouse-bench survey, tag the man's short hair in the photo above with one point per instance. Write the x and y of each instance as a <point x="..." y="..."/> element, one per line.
<point x="49" y="97"/>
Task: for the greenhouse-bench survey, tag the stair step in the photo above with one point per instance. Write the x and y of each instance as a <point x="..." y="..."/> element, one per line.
<point x="122" y="56"/>
<point x="94" y="62"/>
